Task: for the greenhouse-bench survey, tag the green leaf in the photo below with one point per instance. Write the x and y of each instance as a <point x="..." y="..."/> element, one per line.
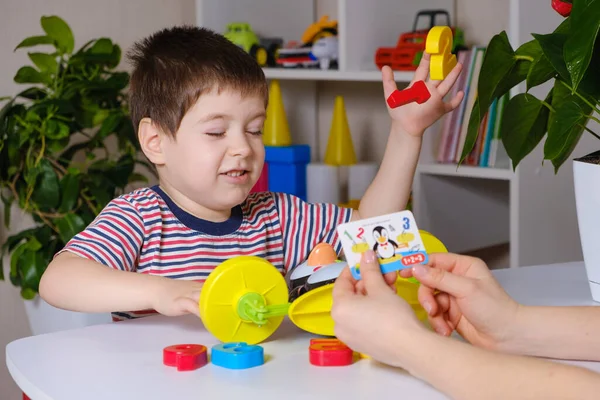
<point x="68" y="226"/>
<point x="524" y="125"/>
<point x="57" y="29"/>
<point x="472" y="131"/>
<point x="497" y="64"/>
<point x="56" y="129"/>
<point x="108" y="126"/>
<point x="565" y="126"/>
<point x="29" y="74"/>
<point x="33" y="245"/>
<point x="28" y="293"/>
<point x="565" y="134"/>
<point x="585" y="18"/>
<point x="552" y="45"/>
<point x="47" y="190"/>
<point x="541" y="69"/>
<point x="69" y="189"/>
<point x="44" y="62"/>
<point x="33" y="93"/>
<point x="31" y="266"/>
<point x="102" y="46"/>
<point x="35" y="41"/>
<point x="7" y="202"/>
<point x="590" y="83"/>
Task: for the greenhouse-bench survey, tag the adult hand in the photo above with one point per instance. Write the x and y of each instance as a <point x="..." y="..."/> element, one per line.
<point x="459" y="292"/>
<point x="369" y="317"/>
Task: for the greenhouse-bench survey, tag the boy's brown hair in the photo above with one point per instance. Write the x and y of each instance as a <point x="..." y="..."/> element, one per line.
<point x="174" y="66"/>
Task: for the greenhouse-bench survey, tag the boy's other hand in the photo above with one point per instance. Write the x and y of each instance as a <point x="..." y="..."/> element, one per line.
<point x="177" y="297"/>
<point x="460" y="292"/>
<point x="369" y="317"/>
<point x="414" y="118"/>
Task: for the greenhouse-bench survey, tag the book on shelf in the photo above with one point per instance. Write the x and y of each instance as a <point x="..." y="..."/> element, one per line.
<point x="488" y="150"/>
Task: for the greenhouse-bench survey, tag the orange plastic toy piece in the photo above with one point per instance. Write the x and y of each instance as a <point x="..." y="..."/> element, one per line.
<point x="276" y="130"/>
<point x="340" y="149"/>
<point x="417" y="92"/>
<point x="439" y="45"/>
<point x="186" y="357"/>
<point x="322" y="254"/>
<point x="329" y="353"/>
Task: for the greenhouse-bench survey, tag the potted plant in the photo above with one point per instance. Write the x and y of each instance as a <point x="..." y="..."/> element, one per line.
<point x="569" y="59"/>
<point x="67" y="147"/>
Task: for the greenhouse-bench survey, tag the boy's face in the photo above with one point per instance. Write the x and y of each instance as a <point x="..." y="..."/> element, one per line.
<point x="218" y="153"/>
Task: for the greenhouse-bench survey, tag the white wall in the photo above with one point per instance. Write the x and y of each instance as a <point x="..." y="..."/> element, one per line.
<point x="122" y="21"/>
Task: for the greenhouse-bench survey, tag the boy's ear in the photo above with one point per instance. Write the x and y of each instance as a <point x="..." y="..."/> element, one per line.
<point x="151" y="137"/>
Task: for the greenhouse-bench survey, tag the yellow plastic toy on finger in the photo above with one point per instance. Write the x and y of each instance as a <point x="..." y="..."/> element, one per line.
<point x="439" y="45"/>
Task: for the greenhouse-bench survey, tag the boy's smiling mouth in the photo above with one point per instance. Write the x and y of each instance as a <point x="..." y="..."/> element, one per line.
<point x="236" y="173"/>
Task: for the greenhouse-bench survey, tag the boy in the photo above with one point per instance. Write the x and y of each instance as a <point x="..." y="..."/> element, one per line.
<point x="198" y="106"/>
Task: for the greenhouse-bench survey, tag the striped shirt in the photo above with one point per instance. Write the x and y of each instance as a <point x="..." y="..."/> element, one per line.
<point x="146" y="232"/>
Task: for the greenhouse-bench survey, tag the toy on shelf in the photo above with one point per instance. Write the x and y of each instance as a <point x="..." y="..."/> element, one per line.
<point x="417" y="92"/>
<point x="340" y="149"/>
<point x="285" y="163"/>
<point x="263" y="50"/>
<point x="262" y="184"/>
<point x="410" y="47"/>
<point x="318" y="47"/>
<point x="246" y="298"/>
<point x="276" y="131"/>
<point x="323" y="183"/>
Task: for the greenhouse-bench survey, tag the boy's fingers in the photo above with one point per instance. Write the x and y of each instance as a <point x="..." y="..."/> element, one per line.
<point x="389" y="84"/>
<point x="423" y="68"/>
<point x="370" y="272"/>
<point x="447" y="83"/>
<point x="344" y="284"/>
<point x="450" y="106"/>
<point x="427" y="299"/>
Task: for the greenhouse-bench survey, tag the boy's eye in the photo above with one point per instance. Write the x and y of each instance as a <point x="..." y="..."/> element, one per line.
<point x="256" y="133"/>
<point x="215" y="134"/>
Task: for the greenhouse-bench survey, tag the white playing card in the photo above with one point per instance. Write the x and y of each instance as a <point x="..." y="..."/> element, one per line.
<point x="394" y="238"/>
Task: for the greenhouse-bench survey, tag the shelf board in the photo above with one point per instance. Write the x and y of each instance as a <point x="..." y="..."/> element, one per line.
<point x="333" y="75"/>
<point x="466" y="171"/>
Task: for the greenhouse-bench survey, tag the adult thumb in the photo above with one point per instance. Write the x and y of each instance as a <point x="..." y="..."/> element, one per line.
<point x="436" y="278"/>
<point x="370" y="271"/>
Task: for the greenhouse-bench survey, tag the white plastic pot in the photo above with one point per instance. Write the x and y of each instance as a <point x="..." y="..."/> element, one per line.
<point x="587" y="199"/>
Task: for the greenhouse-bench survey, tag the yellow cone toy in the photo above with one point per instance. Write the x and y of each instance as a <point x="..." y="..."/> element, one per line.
<point x="340" y="150"/>
<point x="276" y="131"/>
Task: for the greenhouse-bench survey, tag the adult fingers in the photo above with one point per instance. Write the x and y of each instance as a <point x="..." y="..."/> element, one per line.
<point x="437" y="278"/>
<point x="344" y="284"/>
<point x="370" y="272"/>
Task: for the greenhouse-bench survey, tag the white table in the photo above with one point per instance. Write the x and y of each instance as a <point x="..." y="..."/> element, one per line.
<point x="124" y="360"/>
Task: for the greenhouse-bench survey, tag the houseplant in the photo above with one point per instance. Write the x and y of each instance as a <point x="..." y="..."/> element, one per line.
<point x="568" y="59"/>
<point x="67" y="146"/>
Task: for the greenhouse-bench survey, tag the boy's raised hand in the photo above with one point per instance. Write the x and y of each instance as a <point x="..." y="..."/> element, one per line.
<point x="414" y="118"/>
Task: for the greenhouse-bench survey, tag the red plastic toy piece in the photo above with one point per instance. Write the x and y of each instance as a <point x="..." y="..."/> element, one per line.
<point x="329" y="353"/>
<point x="417" y="92"/>
<point x="186" y="357"/>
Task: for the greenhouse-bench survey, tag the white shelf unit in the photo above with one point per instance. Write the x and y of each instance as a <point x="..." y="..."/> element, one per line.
<point x="468" y="208"/>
